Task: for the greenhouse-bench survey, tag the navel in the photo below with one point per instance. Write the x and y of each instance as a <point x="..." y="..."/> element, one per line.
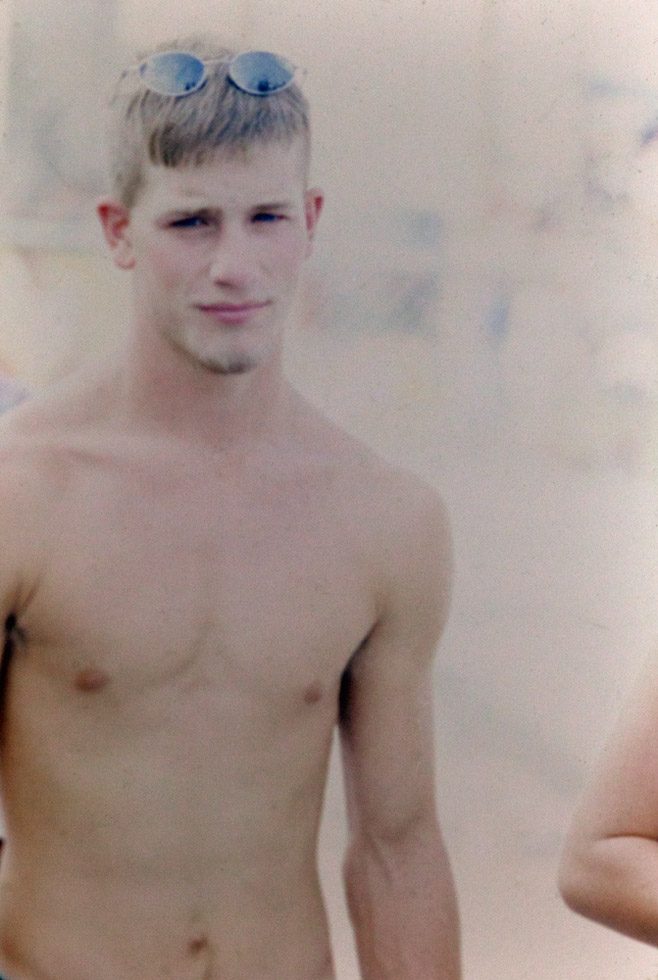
<point x="91" y="679"/>
<point x="198" y="945"/>
<point x="200" y="950"/>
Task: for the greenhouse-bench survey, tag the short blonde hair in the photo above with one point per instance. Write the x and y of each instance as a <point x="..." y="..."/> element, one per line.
<point x="172" y="131"/>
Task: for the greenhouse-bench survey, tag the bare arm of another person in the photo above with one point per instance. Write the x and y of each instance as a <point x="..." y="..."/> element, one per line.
<point x="609" y="868"/>
<point x="399" y="884"/>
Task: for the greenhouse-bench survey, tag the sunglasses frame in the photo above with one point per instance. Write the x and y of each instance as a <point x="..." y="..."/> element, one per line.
<point x="232" y="63"/>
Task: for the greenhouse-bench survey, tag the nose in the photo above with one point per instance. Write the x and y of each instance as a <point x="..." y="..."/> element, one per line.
<point x="233" y="261"/>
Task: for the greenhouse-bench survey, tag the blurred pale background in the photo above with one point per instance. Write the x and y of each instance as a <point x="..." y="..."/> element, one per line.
<point x="481" y="309"/>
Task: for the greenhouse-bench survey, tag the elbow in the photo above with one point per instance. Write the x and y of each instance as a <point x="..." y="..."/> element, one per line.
<point x="611" y="879"/>
<point x="398" y="833"/>
<point x="572" y="882"/>
<point x="583" y="880"/>
<point x="395" y="847"/>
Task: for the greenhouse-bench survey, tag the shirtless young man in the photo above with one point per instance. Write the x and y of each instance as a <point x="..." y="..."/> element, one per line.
<point x="200" y="578"/>
<point x="609" y="867"/>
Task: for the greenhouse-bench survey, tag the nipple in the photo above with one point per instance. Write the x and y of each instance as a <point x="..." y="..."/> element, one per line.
<point x="313" y="693"/>
<point x="91" y="679"/>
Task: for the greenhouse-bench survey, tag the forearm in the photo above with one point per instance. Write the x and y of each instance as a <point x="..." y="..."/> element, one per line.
<point x="403" y="907"/>
<point x="614" y="881"/>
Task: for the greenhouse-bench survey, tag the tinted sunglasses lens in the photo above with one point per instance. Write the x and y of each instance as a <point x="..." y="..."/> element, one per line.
<point x="260" y="73"/>
<point x="173" y="73"/>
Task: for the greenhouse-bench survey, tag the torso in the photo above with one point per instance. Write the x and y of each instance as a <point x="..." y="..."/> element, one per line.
<point x="171" y="694"/>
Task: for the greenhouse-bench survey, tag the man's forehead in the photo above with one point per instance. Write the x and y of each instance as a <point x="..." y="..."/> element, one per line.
<point x="269" y="173"/>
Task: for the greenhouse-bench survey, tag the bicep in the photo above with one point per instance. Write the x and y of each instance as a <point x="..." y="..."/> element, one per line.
<point x="20" y="538"/>
<point x="386" y="705"/>
<point x="387" y="741"/>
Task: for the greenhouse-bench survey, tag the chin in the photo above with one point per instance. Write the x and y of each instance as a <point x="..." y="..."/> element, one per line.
<point x="230" y="365"/>
<point x="227" y="355"/>
<point x="219" y="361"/>
<point x="236" y="361"/>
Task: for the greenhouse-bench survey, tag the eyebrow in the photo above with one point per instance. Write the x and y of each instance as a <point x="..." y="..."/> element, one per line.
<point x="189" y="209"/>
<point x="206" y="211"/>
<point x="273" y="206"/>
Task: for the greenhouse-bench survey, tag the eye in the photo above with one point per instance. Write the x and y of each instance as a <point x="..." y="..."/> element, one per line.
<point x="190" y="221"/>
<point x="268" y="217"/>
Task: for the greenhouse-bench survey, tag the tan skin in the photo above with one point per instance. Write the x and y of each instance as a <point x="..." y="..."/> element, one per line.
<point x="609" y="867"/>
<point x="200" y="578"/>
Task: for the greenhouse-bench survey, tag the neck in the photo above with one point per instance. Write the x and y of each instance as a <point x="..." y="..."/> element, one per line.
<point x="171" y="395"/>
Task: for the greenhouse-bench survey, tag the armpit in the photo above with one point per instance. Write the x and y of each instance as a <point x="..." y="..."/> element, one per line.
<point x="344" y="697"/>
<point x="13" y="635"/>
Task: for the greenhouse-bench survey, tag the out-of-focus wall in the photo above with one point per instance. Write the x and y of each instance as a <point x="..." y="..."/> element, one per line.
<point x="573" y="99"/>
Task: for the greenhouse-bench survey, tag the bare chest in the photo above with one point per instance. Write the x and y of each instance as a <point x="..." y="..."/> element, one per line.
<point x="256" y="597"/>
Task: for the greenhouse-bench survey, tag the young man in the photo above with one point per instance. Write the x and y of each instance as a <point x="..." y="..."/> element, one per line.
<point x="609" y="869"/>
<point x="200" y="577"/>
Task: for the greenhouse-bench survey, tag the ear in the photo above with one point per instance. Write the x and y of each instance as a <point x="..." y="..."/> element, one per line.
<point x="115" y="221"/>
<point x="313" y="204"/>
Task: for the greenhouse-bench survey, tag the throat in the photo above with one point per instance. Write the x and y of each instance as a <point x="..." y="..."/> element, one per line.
<point x="225" y="404"/>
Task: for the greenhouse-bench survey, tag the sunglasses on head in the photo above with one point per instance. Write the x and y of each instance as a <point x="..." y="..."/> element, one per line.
<point x="179" y="73"/>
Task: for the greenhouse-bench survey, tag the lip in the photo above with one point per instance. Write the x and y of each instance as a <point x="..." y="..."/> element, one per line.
<point x="232" y="313"/>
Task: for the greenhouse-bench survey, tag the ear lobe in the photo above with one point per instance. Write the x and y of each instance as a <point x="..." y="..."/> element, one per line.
<point x="115" y="222"/>
<point x="313" y="207"/>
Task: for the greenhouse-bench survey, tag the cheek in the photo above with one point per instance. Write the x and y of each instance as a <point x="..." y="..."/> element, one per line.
<point x="288" y="258"/>
<point x="168" y="268"/>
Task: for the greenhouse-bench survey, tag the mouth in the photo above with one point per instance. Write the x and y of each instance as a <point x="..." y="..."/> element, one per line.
<point x="232" y="313"/>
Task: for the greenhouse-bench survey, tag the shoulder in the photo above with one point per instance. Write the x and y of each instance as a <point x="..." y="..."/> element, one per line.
<point x="406" y="514"/>
<point x="388" y="493"/>
<point x="30" y="488"/>
<point x="31" y="470"/>
<point x="44" y="444"/>
<point x="40" y="440"/>
<point x="417" y="558"/>
<point x="398" y="517"/>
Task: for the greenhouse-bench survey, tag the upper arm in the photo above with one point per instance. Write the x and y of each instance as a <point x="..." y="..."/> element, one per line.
<point x="386" y="709"/>
<point x="622" y="798"/>
<point x="7" y="551"/>
<point x="18" y="534"/>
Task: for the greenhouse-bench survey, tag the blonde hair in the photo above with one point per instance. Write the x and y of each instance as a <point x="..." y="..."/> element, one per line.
<point x="172" y="131"/>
